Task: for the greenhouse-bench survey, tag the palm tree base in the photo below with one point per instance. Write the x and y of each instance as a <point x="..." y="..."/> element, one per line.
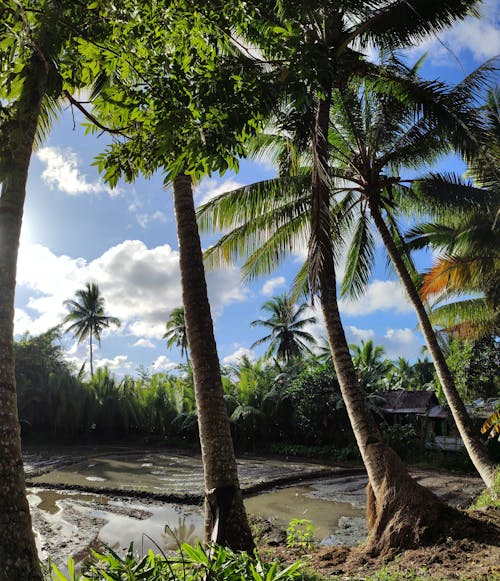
<point x="404" y="515"/>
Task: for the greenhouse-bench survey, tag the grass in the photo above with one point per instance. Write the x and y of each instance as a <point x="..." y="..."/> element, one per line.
<point x="490" y="497"/>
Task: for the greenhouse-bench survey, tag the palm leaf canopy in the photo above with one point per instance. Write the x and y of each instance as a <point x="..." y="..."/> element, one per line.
<point x="373" y="137"/>
<point x="86" y="316"/>
<point x="286" y="324"/>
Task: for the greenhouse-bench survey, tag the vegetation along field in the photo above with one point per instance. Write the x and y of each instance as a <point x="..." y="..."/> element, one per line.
<point x="250" y="273"/>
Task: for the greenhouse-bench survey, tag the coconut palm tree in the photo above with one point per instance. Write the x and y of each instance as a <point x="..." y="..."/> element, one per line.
<point x="370" y="364"/>
<point x="86" y="318"/>
<point x="33" y="35"/>
<point x="385" y="471"/>
<point x="287" y="338"/>
<point x="176" y="334"/>
<point x="372" y="136"/>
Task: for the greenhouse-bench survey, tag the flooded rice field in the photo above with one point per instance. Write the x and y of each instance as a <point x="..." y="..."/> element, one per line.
<point x="93" y="497"/>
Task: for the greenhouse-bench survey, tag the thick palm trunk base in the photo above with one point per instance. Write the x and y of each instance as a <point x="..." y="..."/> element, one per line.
<point x="405" y="515"/>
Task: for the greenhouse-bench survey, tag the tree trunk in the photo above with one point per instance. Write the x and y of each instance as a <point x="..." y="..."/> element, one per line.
<point x="471" y="440"/>
<point x="18" y="554"/>
<point x="91" y="355"/>
<point x="401" y="513"/>
<point x="225" y="517"/>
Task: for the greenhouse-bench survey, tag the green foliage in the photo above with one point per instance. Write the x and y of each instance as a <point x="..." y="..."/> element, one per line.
<point x="194" y="563"/>
<point x="327" y="452"/>
<point x="300" y="534"/>
<point x="403" y="439"/>
<point x="490" y="497"/>
<point x="475" y="365"/>
<point x="319" y="414"/>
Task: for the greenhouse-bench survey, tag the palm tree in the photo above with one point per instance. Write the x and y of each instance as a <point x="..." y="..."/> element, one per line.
<point x="176" y="334"/>
<point x="386" y="473"/>
<point x="287" y="338"/>
<point x="372" y="138"/>
<point x="86" y="317"/>
<point x="32" y="41"/>
<point x="369" y="363"/>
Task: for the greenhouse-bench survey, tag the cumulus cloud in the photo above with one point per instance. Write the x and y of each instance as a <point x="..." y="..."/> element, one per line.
<point x="163" y="363"/>
<point x="211" y="188"/>
<point x="236" y="357"/>
<point x="62" y="173"/>
<point x="402" y="343"/>
<point x="380" y="295"/>
<point x="144" y="343"/>
<point x="357" y="335"/>
<point x="140" y="285"/>
<point x="271" y="285"/>
<point x="397" y="342"/>
<point x="118" y="363"/>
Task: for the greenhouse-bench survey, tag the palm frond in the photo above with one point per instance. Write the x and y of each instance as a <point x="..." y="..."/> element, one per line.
<point x="360" y="260"/>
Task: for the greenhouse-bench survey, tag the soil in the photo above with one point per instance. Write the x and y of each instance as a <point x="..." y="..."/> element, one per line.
<point x="71" y="528"/>
<point x="465" y="559"/>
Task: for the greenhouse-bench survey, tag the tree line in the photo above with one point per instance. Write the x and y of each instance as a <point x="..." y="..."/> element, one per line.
<point x="178" y="88"/>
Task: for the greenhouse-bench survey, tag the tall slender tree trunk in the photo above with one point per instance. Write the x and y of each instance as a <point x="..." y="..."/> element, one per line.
<point x="225" y="517"/>
<point x="91" y="354"/>
<point x="18" y="554"/>
<point x="471" y="440"/>
<point x="401" y="513"/>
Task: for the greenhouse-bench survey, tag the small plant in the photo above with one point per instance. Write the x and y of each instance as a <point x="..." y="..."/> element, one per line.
<point x="193" y="563"/>
<point x="300" y="534"/>
<point x="490" y="497"/>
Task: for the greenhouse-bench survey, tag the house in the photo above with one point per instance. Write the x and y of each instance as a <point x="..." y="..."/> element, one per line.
<point x="422" y="410"/>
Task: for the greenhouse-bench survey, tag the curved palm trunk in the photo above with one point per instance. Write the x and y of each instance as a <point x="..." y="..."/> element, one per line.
<point x="225" y="518"/>
<point x="401" y="513"/>
<point x="476" y="451"/>
<point x="18" y="554"/>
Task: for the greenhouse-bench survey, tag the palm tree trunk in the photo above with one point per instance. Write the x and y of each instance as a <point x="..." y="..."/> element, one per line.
<point x="91" y="355"/>
<point x="225" y="518"/>
<point x="18" y="553"/>
<point x="476" y="451"/>
<point x="401" y="513"/>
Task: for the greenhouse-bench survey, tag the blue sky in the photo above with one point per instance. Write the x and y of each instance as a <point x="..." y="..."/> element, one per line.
<point x="77" y="230"/>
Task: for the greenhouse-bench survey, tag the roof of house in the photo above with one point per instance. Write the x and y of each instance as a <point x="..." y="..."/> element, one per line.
<point x="400" y="401"/>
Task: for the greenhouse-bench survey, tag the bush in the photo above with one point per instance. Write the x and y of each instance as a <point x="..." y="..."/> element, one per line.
<point x="403" y="439"/>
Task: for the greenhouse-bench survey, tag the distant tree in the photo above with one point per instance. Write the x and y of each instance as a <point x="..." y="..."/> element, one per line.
<point x="86" y="317"/>
<point x="287" y="338"/>
<point x="176" y="334"/>
<point x="370" y="364"/>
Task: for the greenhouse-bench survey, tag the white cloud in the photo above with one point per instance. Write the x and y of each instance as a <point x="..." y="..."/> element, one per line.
<point x="62" y="172"/>
<point x="357" y="335"/>
<point x="380" y="295"/>
<point x="163" y="363"/>
<point x="271" y="285"/>
<point x="144" y="219"/>
<point x="140" y="286"/>
<point x="210" y="188"/>
<point x="144" y="343"/>
<point x="236" y="357"/>
<point x="479" y="36"/>
<point x="402" y="343"/>
<point x="120" y="362"/>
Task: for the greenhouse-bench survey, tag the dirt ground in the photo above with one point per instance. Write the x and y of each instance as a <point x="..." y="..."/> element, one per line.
<point x="474" y="560"/>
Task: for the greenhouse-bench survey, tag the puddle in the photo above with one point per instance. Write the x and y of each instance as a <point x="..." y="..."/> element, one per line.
<point x="299" y="502"/>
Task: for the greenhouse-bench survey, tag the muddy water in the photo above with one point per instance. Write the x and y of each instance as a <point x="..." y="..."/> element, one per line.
<point x="73" y="519"/>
